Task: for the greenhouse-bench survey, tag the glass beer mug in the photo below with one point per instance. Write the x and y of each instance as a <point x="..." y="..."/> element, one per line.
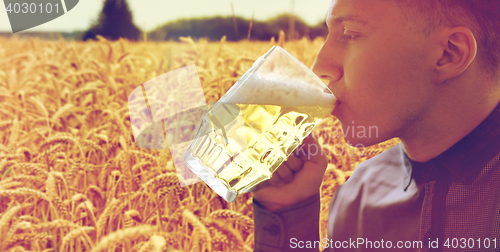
<point x="257" y="124"/>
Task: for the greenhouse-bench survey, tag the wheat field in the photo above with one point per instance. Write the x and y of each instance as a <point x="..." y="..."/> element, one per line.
<point x="72" y="177"/>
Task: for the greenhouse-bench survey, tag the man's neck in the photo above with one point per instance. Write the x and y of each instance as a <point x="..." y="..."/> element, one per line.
<point x="446" y="125"/>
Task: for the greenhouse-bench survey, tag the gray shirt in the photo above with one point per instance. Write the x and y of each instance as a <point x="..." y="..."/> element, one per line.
<point x="449" y="203"/>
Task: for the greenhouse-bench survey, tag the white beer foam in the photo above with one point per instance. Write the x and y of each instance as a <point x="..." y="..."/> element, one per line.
<point x="275" y="91"/>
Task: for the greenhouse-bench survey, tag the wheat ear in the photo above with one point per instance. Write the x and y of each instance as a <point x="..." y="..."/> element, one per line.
<point x="202" y="231"/>
<point x="127" y="234"/>
<point x="155" y="243"/>
<point x="5" y="220"/>
<point x="75" y="233"/>
<point x="236" y="241"/>
<point x="236" y="217"/>
<point x="108" y="212"/>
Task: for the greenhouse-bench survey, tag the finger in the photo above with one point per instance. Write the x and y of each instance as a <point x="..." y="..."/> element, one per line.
<point x="261" y="185"/>
<point x="294" y="163"/>
<point x="311" y="151"/>
<point x="285" y="173"/>
<point x="275" y="180"/>
<point x="303" y="148"/>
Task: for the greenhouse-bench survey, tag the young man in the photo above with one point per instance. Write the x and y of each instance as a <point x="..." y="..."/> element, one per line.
<point x="425" y="71"/>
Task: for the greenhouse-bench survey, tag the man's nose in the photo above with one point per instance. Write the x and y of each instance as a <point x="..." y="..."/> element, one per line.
<point x="327" y="65"/>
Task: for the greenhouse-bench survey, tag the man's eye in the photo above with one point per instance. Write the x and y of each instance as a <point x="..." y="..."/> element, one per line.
<point x="347" y="37"/>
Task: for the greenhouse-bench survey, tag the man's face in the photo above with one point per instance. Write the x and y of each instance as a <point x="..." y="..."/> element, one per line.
<point x="378" y="68"/>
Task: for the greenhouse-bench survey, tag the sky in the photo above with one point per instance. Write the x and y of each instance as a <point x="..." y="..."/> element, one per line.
<point x="149" y="14"/>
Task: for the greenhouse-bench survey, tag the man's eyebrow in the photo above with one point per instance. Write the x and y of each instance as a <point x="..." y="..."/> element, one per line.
<point x="349" y="18"/>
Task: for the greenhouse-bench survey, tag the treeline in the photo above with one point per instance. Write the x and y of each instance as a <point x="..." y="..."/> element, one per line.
<point x="115" y="21"/>
<point x="214" y="28"/>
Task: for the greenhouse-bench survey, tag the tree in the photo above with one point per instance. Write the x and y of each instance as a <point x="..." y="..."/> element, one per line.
<point x="214" y="28"/>
<point x="114" y="22"/>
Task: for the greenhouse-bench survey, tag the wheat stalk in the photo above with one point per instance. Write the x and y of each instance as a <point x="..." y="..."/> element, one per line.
<point x="39" y="106"/>
<point x="156" y="242"/>
<point x="108" y="212"/>
<point x="122" y="235"/>
<point x="236" y="241"/>
<point x="31" y="168"/>
<point x="10" y="184"/>
<point x="129" y="216"/>
<point x="75" y="233"/>
<point x="20" y="192"/>
<point x="4" y="221"/>
<point x="59" y="223"/>
<point x="65" y="139"/>
<point x="201" y="230"/>
<point x="27" y="238"/>
<point x="14" y="134"/>
<point x="61" y="112"/>
<point x="68" y="147"/>
<point x="18" y="248"/>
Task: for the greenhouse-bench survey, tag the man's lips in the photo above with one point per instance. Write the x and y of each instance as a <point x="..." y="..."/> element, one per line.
<point x="335" y="108"/>
<point x="337" y="102"/>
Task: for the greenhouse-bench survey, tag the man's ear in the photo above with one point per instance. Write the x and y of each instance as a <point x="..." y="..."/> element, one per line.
<point x="459" y="50"/>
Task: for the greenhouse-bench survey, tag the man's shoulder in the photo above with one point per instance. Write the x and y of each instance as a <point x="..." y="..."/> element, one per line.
<point x="378" y="201"/>
<point x="371" y="183"/>
<point x="387" y="165"/>
<point x="374" y="178"/>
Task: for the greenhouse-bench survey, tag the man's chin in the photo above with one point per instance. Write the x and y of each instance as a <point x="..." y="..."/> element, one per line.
<point x="361" y="142"/>
<point x="359" y="135"/>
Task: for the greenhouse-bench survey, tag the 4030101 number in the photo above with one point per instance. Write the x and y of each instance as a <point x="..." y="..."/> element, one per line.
<point x="470" y="243"/>
<point x="32" y="8"/>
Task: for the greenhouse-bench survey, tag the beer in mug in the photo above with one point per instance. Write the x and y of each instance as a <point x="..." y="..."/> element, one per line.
<point x="257" y="124"/>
